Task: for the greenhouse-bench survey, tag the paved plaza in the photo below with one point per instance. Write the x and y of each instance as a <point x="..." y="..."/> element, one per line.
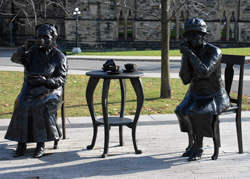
<point x="158" y="136"/>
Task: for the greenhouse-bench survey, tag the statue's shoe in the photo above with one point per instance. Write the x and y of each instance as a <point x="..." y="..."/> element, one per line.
<point x="196" y="155"/>
<point x="39" y="150"/>
<point x="21" y="148"/>
<point x="189" y="151"/>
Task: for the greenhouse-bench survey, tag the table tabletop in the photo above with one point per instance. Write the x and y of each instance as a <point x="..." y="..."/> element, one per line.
<point x="121" y="75"/>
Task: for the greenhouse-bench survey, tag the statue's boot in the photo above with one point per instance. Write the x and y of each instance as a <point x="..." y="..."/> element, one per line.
<point x="21" y="148"/>
<point x="190" y="148"/>
<point x="189" y="151"/>
<point x="198" y="149"/>
<point x="39" y="150"/>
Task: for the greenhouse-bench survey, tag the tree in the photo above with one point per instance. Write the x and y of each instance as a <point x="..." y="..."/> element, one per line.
<point x="165" y="37"/>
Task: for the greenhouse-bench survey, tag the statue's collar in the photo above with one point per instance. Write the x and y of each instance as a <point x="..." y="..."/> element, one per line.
<point x="47" y="57"/>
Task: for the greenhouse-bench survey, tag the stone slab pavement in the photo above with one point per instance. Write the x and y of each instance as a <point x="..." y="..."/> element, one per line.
<point x="158" y="136"/>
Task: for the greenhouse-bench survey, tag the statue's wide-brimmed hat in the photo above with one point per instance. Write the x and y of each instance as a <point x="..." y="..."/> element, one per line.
<point x="195" y="24"/>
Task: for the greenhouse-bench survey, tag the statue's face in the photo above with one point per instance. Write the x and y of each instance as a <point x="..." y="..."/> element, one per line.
<point x="195" y="39"/>
<point x="47" y="37"/>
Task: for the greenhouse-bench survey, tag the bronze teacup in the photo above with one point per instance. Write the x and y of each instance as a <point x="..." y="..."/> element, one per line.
<point x="38" y="42"/>
<point x="114" y="68"/>
<point x="130" y="66"/>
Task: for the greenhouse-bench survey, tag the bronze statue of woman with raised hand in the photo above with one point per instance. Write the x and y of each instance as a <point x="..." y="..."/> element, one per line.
<point x="35" y="110"/>
<point x="206" y="96"/>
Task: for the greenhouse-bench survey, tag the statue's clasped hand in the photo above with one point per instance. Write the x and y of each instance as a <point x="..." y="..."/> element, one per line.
<point x="28" y="44"/>
<point x="185" y="49"/>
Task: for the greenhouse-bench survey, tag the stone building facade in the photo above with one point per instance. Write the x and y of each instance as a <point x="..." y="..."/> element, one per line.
<point x="105" y="26"/>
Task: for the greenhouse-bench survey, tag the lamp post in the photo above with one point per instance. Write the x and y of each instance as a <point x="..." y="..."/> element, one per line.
<point x="76" y="49"/>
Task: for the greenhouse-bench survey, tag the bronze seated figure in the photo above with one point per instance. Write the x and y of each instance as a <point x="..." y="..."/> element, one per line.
<point x="206" y="96"/>
<point x="35" y="111"/>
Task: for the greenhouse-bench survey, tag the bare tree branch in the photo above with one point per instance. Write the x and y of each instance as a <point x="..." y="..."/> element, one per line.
<point x="15" y="16"/>
<point x="173" y="14"/>
<point x="1" y="4"/>
<point x="136" y="10"/>
<point x="45" y="8"/>
<point x="176" y="5"/>
<point x="20" y="6"/>
<point x="34" y="10"/>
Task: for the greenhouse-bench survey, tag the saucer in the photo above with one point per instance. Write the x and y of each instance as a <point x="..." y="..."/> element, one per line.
<point x="129" y="71"/>
<point x="114" y="72"/>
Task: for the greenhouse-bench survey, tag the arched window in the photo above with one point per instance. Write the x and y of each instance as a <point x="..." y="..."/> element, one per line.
<point x="173" y="28"/>
<point x="121" y="26"/>
<point x="232" y="28"/>
<point x="223" y="27"/>
<point x="129" y="26"/>
<point x="181" y="26"/>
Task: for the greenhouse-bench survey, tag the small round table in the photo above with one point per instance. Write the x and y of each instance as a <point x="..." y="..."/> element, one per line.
<point x="114" y="121"/>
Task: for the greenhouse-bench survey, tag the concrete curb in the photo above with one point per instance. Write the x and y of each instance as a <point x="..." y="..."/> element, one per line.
<point x="129" y="58"/>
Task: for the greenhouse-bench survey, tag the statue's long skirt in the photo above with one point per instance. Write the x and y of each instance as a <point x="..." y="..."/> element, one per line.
<point x="195" y="113"/>
<point x="35" y="115"/>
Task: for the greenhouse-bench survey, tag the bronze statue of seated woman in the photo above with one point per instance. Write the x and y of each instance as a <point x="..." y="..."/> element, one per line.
<point x="206" y="96"/>
<point x="35" y="111"/>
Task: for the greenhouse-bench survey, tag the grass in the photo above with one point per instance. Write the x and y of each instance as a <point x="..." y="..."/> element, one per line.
<point x="11" y="84"/>
<point x="229" y="51"/>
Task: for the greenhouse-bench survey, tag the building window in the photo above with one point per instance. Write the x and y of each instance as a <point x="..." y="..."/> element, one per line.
<point x="181" y="26"/>
<point x="125" y="25"/>
<point x="223" y="27"/>
<point x="232" y="28"/>
<point x="173" y="29"/>
<point x="121" y="26"/>
<point x="129" y="26"/>
<point x="41" y="6"/>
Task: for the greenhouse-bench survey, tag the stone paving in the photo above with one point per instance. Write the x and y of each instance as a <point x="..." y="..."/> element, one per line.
<point x="158" y="136"/>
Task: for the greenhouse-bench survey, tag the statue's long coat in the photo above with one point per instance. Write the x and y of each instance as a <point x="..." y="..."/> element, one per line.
<point x="35" y="110"/>
<point x="206" y="96"/>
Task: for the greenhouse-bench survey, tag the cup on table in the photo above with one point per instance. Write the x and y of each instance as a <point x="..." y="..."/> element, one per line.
<point x="130" y="66"/>
<point x="114" y="68"/>
<point x="108" y="63"/>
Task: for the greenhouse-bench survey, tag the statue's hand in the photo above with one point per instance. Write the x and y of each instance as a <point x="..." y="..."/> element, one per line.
<point x="185" y="49"/>
<point x="41" y="80"/>
<point x="28" y="44"/>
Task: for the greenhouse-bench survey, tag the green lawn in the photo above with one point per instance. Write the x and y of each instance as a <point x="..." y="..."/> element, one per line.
<point x="230" y="51"/>
<point x="11" y="84"/>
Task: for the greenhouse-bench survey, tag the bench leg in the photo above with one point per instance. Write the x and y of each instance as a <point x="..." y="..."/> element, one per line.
<point x="239" y="131"/>
<point x="56" y="144"/>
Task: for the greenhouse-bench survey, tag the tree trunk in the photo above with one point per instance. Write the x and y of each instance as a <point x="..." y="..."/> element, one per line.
<point x="165" y="36"/>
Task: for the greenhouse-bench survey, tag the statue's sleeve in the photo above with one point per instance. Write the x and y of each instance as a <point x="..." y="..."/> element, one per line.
<point x="19" y="56"/>
<point x="60" y="74"/>
<point x="185" y="71"/>
<point x="201" y="68"/>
